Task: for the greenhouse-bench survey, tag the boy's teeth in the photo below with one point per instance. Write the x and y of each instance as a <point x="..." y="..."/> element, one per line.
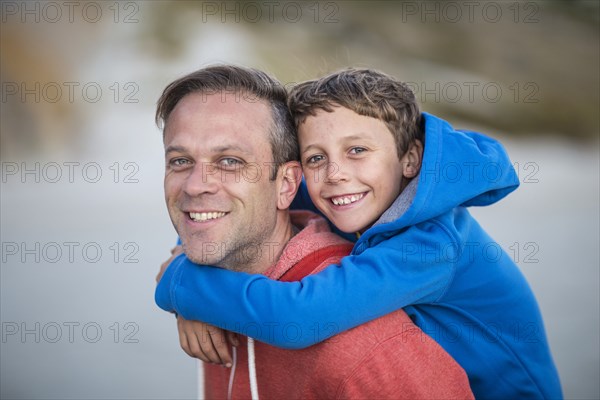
<point x="204" y="216"/>
<point x="346" y="199"/>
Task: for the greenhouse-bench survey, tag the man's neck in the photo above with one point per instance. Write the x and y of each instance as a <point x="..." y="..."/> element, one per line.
<point x="258" y="258"/>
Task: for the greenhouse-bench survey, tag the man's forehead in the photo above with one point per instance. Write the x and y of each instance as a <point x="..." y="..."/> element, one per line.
<point x="216" y="124"/>
<point x="228" y="111"/>
<point x="216" y="141"/>
<point x="223" y="101"/>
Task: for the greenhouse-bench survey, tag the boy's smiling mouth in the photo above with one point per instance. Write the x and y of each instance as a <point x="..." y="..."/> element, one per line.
<point x="346" y="199"/>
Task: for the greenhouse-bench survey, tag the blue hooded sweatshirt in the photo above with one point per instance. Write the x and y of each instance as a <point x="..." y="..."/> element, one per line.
<point x="425" y="254"/>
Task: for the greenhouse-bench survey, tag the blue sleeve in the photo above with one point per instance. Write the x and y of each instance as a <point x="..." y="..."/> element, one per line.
<point x="162" y="295"/>
<point x="296" y="315"/>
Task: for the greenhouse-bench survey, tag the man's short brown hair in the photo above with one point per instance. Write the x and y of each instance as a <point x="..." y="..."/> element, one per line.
<point x="366" y="92"/>
<point x="251" y="85"/>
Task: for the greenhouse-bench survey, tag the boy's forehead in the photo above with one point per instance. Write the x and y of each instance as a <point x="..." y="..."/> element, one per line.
<point x="341" y="121"/>
<point x="329" y="131"/>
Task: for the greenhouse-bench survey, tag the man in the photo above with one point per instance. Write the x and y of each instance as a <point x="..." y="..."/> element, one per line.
<point x="231" y="174"/>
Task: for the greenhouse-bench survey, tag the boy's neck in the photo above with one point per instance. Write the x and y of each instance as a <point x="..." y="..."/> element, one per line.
<point x="401" y="204"/>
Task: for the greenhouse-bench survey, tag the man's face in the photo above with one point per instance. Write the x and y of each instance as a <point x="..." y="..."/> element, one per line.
<point x="351" y="167"/>
<point x="217" y="187"/>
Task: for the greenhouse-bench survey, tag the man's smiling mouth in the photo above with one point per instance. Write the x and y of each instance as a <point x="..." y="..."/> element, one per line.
<point x="206" y="216"/>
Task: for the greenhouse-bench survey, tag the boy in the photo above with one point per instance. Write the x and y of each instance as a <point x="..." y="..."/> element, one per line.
<point x="371" y="168"/>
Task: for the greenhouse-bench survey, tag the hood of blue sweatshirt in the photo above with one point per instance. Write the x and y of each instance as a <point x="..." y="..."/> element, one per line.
<point x="459" y="168"/>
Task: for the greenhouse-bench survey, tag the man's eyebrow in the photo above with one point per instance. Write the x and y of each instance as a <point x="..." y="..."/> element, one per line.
<point x="178" y="149"/>
<point x="230" y="147"/>
<point x="218" y="149"/>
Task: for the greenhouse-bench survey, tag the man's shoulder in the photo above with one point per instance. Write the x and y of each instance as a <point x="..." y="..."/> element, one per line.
<point x="313" y="248"/>
<point x="313" y="227"/>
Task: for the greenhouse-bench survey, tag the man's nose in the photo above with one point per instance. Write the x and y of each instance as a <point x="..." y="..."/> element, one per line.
<point x="203" y="178"/>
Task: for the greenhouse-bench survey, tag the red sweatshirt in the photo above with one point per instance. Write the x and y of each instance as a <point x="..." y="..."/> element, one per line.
<point x="387" y="358"/>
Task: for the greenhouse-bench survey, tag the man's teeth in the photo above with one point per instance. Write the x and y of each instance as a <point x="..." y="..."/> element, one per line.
<point x="346" y="199"/>
<point x="205" y="216"/>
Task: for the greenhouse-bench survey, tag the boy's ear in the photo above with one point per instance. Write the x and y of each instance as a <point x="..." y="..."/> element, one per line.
<point x="411" y="161"/>
<point x="290" y="176"/>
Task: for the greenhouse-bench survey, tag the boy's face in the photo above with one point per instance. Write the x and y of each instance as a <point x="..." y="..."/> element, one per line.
<point x="351" y="167"/>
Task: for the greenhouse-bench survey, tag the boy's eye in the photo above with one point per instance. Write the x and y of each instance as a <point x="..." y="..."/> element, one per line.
<point x="357" y="150"/>
<point x="316" y="159"/>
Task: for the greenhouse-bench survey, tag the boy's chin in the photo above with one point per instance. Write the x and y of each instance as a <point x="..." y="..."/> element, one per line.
<point x="352" y="228"/>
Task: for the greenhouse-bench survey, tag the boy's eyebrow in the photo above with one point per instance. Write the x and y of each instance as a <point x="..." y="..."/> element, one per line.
<point x="310" y="146"/>
<point x="361" y="136"/>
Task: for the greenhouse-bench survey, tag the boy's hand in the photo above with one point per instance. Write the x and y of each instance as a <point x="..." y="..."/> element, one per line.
<point x="175" y="251"/>
<point x="206" y="342"/>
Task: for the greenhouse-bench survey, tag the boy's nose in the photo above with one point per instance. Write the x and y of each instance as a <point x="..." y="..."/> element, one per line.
<point x="335" y="173"/>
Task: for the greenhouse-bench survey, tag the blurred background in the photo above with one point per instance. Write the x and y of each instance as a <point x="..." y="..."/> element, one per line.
<point x="84" y="227"/>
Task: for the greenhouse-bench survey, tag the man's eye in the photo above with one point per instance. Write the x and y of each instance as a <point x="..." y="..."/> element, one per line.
<point x="179" y="162"/>
<point x="357" y="150"/>
<point x="230" y="162"/>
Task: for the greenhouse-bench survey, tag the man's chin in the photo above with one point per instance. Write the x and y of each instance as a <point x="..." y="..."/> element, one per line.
<point x="197" y="248"/>
<point x="206" y="252"/>
<point x="201" y="260"/>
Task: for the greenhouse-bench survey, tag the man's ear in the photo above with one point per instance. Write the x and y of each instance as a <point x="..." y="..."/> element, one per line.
<point x="290" y="176"/>
<point x="411" y="161"/>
